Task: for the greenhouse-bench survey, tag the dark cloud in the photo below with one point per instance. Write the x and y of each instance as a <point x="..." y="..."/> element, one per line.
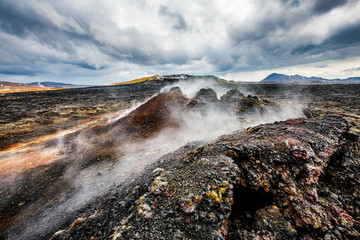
<point x="352" y="69"/>
<point x="275" y="38"/>
<point x="25" y="23"/>
<point x="136" y="48"/>
<point x="346" y="36"/>
<point x="343" y="38"/>
<point x="292" y="3"/>
<point x="89" y="66"/>
<point x="28" y="73"/>
<point x="84" y="36"/>
<point x="269" y="21"/>
<point x="324" y="6"/>
<point x="321" y="65"/>
<point x="20" y="23"/>
<point x="303" y="49"/>
<point x="179" y="20"/>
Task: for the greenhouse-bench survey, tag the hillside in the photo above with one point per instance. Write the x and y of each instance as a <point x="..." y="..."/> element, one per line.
<point x="162" y="80"/>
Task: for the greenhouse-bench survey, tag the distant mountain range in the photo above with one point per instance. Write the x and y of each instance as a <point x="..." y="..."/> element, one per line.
<point x="56" y="85"/>
<point x="10" y="87"/>
<point x="283" y="78"/>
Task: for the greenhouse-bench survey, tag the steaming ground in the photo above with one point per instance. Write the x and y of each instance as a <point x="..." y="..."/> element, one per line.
<point x="83" y="181"/>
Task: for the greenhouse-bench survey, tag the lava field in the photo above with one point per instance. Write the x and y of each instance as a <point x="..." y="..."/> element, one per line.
<point x="181" y="158"/>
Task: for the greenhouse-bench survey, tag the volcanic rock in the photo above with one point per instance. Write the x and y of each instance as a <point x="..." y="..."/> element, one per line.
<point x="308" y="113"/>
<point x="206" y="95"/>
<point x="296" y="179"/>
<point x="32" y="201"/>
<point x="236" y="102"/>
<point x="157" y="113"/>
<point x="232" y="95"/>
<point x="154" y="115"/>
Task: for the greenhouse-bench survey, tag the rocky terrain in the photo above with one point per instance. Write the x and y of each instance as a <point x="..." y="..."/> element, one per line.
<point x="322" y="100"/>
<point x="25" y="115"/>
<point x="187" y="160"/>
<point x="274" y="181"/>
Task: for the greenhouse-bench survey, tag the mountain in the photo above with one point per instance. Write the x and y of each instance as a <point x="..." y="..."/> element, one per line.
<point x="56" y="85"/>
<point x="10" y="85"/>
<point x="162" y="80"/>
<point x="283" y="78"/>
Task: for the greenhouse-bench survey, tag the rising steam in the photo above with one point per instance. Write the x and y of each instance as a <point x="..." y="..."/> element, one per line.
<point x="131" y="157"/>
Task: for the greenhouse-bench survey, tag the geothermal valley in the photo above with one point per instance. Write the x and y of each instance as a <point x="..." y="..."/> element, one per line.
<point x="181" y="157"/>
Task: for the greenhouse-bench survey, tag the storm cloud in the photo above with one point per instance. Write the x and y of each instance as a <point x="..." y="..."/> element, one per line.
<point x="323" y="6"/>
<point x="180" y="23"/>
<point x="111" y="41"/>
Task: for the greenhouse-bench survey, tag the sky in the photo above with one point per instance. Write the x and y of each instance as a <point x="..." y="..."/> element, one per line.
<point x="101" y="42"/>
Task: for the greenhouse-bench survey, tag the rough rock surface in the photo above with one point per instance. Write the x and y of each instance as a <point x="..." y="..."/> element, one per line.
<point x="297" y="179"/>
<point x="206" y="95"/>
<point x="153" y="116"/>
<point x="235" y="101"/>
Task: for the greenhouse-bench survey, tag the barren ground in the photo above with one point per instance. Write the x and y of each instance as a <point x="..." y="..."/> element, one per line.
<point x="37" y="116"/>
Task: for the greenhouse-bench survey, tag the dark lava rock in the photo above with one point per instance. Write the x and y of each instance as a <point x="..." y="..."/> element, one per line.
<point x="297" y="179"/>
<point x="308" y="113"/>
<point x="236" y="102"/>
<point x="206" y="95"/>
<point x="253" y="97"/>
<point x="231" y="96"/>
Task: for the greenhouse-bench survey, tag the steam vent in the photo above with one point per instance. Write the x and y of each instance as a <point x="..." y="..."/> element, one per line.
<point x="181" y="157"/>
